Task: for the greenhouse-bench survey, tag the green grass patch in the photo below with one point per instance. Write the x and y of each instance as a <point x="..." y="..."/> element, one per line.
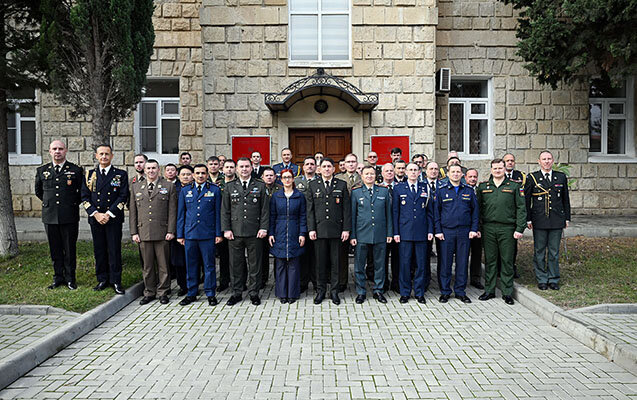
<point x="24" y="278"/>
<point x="595" y="271"/>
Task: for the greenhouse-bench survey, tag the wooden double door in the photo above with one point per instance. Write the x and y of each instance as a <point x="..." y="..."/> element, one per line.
<point x="333" y="143"/>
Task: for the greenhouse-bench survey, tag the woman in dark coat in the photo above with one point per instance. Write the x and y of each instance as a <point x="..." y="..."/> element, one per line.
<point x="288" y="227"/>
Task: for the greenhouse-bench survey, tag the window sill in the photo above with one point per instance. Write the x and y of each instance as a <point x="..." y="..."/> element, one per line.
<point x="320" y="64"/>
<point x="164" y="159"/>
<point x="25" y="159"/>
<point x="474" y="157"/>
<point x="616" y="159"/>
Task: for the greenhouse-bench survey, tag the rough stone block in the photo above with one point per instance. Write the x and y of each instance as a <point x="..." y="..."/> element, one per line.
<point x="171" y="10"/>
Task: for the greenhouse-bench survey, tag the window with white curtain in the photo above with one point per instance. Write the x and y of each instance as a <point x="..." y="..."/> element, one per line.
<point x="157" y="119"/>
<point x="320" y="32"/>
<point x="21" y="124"/>
<point x="470" y="118"/>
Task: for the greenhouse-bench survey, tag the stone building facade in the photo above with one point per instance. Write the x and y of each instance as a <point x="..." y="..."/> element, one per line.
<point x="228" y="55"/>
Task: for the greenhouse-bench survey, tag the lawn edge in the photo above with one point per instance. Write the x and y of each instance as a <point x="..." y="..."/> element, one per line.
<point x="23" y="361"/>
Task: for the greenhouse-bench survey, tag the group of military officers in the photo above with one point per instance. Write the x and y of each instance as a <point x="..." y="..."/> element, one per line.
<point x="389" y="215"/>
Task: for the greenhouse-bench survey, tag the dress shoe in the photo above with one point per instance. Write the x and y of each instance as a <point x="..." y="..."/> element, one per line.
<point x="212" y="301"/>
<point x="54" y="285"/>
<point x="119" y="289"/>
<point x="71" y="285"/>
<point x="404" y="299"/>
<point x="335" y="299"/>
<point x="554" y="286"/>
<point x="283" y="300"/>
<point x="163" y="300"/>
<point x="320" y="296"/>
<point x="291" y="301"/>
<point x="182" y="292"/>
<point x="542" y="286"/>
<point x="464" y="299"/>
<point x="508" y="300"/>
<point x="486" y="296"/>
<point x="360" y="299"/>
<point x="477" y="285"/>
<point x="146" y="299"/>
<point x="233" y="300"/>
<point x="380" y="298"/>
<point x="187" y="300"/>
<point x="421" y="299"/>
<point x="222" y="287"/>
<point x="443" y="298"/>
<point x="101" y="286"/>
<point x="255" y="300"/>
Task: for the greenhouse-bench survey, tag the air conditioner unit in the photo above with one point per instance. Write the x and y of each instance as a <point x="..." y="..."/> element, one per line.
<point x="443" y="80"/>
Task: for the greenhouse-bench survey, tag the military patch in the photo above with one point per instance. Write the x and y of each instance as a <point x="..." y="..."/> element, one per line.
<point x="254" y="200"/>
<point x="446" y="200"/>
<point x="207" y="194"/>
<point x="120" y="206"/>
<point x="338" y="200"/>
<point x="116" y="181"/>
<point x="86" y="205"/>
<point x="189" y="194"/>
<point x="507" y="191"/>
<point x="46" y="174"/>
<point x="522" y="191"/>
<point x="138" y="195"/>
<point x="487" y="191"/>
<point x="163" y="191"/>
<point x="423" y="194"/>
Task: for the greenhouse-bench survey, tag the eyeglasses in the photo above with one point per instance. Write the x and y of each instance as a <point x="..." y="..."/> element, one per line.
<point x="287" y="177"/>
<point x="373" y="157"/>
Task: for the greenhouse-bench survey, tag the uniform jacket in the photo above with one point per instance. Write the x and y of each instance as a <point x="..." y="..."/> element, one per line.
<point x="353" y="181"/>
<point x="280" y="167"/>
<point x="329" y="214"/>
<point x="270" y="190"/>
<point x="245" y="212"/>
<point x="547" y="203"/>
<point x="105" y="194"/>
<point x="288" y="221"/>
<point x="257" y="173"/>
<point x="302" y="183"/>
<point x="456" y="210"/>
<point x="502" y="205"/>
<point x="371" y="215"/>
<point x="61" y="193"/>
<point x="413" y="214"/>
<point x="198" y="214"/>
<point x="153" y="214"/>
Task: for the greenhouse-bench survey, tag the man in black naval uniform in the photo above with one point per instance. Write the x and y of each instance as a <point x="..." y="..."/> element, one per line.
<point x="548" y="211"/>
<point x="329" y="221"/>
<point x="58" y="184"/>
<point x="104" y="194"/>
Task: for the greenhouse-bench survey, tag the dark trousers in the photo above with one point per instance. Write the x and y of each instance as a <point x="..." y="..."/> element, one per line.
<point x="265" y="262"/>
<point x="178" y="264"/>
<point x="287" y="278"/>
<point x="238" y="248"/>
<point x="327" y="256"/>
<point x="438" y="263"/>
<point x="360" y="261"/>
<point x="343" y="265"/>
<point x="393" y="249"/>
<point x="308" y="265"/>
<point x="475" y="264"/>
<point x="107" y="248"/>
<point x="456" y="243"/>
<point x="62" y="244"/>
<point x="546" y="241"/>
<point x="409" y="249"/>
<point x="201" y="250"/>
<point x="224" y="263"/>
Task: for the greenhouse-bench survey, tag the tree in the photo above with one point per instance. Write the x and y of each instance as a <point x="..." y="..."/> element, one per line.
<point x="569" y="40"/>
<point x="20" y="67"/>
<point x="98" y="53"/>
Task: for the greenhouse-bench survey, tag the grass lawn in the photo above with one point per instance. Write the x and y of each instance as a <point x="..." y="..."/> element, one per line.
<point x="598" y="271"/>
<point x="23" y="279"/>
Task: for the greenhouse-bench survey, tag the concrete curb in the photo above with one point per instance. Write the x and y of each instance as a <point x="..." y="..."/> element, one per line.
<point x="30" y="309"/>
<point x="610" y="347"/>
<point x="18" y="364"/>
<point x="627" y="308"/>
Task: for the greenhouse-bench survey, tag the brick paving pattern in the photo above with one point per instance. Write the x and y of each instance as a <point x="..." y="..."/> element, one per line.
<point x="620" y="326"/>
<point x="18" y="331"/>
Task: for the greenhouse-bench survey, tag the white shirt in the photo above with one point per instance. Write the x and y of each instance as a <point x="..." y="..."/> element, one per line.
<point x="550" y="174"/>
<point x="60" y="165"/>
<point x="107" y="169"/>
<point x="247" y="182"/>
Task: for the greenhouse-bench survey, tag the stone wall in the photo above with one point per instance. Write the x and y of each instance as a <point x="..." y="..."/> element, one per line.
<point x="477" y="38"/>
<point x="177" y="54"/>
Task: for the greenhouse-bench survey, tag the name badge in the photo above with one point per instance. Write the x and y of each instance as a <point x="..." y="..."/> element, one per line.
<point x="189" y="194"/>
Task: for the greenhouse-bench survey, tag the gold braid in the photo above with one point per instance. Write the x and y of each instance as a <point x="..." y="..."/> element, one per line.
<point x="542" y="192"/>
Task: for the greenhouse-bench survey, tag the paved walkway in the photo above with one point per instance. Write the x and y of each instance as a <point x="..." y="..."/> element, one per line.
<point x="18" y="331"/>
<point x="623" y="327"/>
<point x="485" y="350"/>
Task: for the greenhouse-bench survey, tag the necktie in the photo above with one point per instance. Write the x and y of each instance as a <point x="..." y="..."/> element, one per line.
<point x="432" y="185"/>
<point x="546" y="176"/>
<point x="151" y="186"/>
<point x="371" y="192"/>
<point x="198" y="189"/>
<point x="509" y="175"/>
<point x="413" y="188"/>
<point x="245" y="185"/>
<point x="57" y="169"/>
<point x="103" y="172"/>
<point x="327" y="186"/>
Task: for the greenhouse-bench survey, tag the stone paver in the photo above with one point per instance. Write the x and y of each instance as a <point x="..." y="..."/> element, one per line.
<point x="485" y="350"/>
<point x="18" y="331"/>
<point x="621" y="326"/>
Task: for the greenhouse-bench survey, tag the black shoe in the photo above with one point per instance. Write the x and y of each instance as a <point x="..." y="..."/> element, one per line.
<point x="508" y="300"/>
<point x="222" y="287"/>
<point x="486" y="296"/>
<point x="187" y="300"/>
<point x="71" y="285"/>
<point x="255" y="300"/>
<point x="360" y="299"/>
<point x="404" y="299"/>
<point x="182" y="292"/>
<point x="421" y="299"/>
<point x="380" y="298"/>
<point x="443" y="298"/>
<point x="477" y="285"/>
<point x="245" y="288"/>
<point x="233" y="300"/>
<point x="163" y="300"/>
<point x="554" y="286"/>
<point x="342" y="288"/>
<point x="119" y="289"/>
<point x="54" y="285"/>
<point x="100" y="286"/>
<point x="146" y="299"/>
<point x="283" y="300"/>
<point x="542" y="286"/>
<point x="292" y="300"/>
<point x="335" y="299"/>
<point x="212" y="301"/>
<point x="320" y="296"/>
<point x="464" y="299"/>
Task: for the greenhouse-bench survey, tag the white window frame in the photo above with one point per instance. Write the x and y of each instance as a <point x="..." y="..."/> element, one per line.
<point x="629" y="110"/>
<point x="162" y="158"/>
<point x="17" y="158"/>
<point x="488" y="116"/>
<point x="320" y="63"/>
